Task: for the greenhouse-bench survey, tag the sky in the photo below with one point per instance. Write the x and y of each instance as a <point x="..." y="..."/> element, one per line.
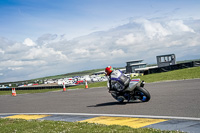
<point x="41" y="38"/>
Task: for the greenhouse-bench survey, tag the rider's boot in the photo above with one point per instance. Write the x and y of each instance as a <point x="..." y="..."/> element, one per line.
<point x="120" y="99"/>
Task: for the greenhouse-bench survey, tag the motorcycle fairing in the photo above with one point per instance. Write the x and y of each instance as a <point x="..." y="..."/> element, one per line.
<point x="132" y="84"/>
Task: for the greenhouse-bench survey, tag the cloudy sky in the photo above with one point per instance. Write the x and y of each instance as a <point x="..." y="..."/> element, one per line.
<point x="49" y="37"/>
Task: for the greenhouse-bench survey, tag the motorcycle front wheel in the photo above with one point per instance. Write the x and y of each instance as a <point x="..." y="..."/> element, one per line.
<point x="142" y="94"/>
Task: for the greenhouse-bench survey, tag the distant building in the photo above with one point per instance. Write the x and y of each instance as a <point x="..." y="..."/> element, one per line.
<point x="166" y="60"/>
<point x="132" y="65"/>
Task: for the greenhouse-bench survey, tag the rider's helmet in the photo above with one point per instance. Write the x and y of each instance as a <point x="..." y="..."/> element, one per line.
<point x="108" y="70"/>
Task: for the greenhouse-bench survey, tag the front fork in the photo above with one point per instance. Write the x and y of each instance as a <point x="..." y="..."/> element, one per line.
<point x="141" y="93"/>
<point x="142" y="83"/>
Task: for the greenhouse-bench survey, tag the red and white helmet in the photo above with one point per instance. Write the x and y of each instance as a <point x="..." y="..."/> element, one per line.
<point x="108" y="70"/>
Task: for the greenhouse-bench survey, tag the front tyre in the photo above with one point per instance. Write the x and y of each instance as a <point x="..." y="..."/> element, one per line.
<point x="142" y="94"/>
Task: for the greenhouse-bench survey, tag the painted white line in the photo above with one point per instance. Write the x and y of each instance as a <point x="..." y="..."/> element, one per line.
<point x="112" y="115"/>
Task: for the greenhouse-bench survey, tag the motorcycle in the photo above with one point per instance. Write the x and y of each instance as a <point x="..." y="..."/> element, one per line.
<point x="133" y="92"/>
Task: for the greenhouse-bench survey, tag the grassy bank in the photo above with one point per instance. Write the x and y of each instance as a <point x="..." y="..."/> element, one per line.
<point x="28" y="91"/>
<point x="181" y="74"/>
<point x="38" y="126"/>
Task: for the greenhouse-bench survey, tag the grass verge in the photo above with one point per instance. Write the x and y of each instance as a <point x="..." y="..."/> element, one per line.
<point x="27" y="91"/>
<point x="44" y="126"/>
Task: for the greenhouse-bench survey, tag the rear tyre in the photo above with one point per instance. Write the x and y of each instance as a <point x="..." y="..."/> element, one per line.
<point x="143" y="94"/>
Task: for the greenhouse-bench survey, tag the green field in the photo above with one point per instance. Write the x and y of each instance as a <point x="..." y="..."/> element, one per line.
<point x="44" y="126"/>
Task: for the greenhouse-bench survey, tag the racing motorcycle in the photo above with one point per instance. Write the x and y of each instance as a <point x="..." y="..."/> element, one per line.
<point x="134" y="92"/>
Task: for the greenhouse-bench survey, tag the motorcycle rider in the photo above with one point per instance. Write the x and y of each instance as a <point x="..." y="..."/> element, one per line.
<point x="117" y="82"/>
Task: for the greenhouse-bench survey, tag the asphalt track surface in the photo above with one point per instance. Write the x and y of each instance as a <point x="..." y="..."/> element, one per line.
<point x="173" y="98"/>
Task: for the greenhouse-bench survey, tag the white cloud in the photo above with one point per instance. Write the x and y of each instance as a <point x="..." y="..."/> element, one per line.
<point x="1" y="51"/>
<point x="28" y="42"/>
<point x="44" y="53"/>
<point x="174" y="43"/>
<point x="15" y="68"/>
<point x="179" y="26"/>
<point x="140" y="39"/>
<point x="153" y="29"/>
<point x="129" y="39"/>
<point x="81" y="51"/>
<point x="117" y="53"/>
<point x="15" y="63"/>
